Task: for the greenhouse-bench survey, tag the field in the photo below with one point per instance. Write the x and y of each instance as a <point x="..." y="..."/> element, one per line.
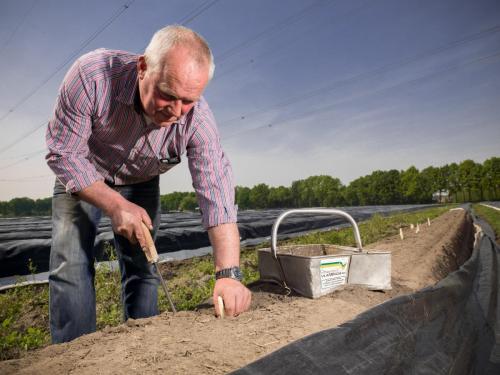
<point x="197" y="342"/>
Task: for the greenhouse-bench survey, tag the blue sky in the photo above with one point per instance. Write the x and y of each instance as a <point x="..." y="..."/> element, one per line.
<point x="301" y="87"/>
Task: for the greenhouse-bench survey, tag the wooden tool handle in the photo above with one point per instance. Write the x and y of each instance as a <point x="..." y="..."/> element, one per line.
<point x="151" y="253"/>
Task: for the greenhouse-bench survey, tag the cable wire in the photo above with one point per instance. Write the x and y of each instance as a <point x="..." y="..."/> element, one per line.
<point x="22" y="137"/>
<point x="26" y="178"/>
<point x="270" y="30"/>
<point x="74" y="54"/>
<point x="327" y="108"/>
<point x="11" y="36"/>
<point x="196" y="12"/>
<point x="184" y="21"/>
<point x="23" y="159"/>
<point x="369" y="74"/>
<point x="282" y="46"/>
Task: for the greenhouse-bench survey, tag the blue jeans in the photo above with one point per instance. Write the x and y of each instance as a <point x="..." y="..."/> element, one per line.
<point x="71" y="278"/>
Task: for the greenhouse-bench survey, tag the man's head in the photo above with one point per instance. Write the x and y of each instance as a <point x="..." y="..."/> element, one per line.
<point x="173" y="72"/>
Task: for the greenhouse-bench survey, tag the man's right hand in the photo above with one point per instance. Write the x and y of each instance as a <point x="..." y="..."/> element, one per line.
<point x="126" y="217"/>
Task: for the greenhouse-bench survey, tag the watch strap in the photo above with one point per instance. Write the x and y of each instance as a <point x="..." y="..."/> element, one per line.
<point x="229" y="273"/>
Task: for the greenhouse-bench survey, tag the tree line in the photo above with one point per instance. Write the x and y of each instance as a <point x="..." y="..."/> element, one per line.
<point x="466" y="181"/>
<point x="26" y="207"/>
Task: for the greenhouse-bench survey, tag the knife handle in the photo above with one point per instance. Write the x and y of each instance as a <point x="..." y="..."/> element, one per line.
<point x="151" y="253"/>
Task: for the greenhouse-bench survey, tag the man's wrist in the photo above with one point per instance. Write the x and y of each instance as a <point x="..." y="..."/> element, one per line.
<point x="102" y="196"/>
<point x="229" y="273"/>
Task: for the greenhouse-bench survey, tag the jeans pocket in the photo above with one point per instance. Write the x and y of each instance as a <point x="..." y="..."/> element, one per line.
<point x="59" y="188"/>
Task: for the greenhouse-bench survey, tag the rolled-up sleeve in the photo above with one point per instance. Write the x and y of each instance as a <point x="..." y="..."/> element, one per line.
<point x="210" y="171"/>
<point x="69" y="130"/>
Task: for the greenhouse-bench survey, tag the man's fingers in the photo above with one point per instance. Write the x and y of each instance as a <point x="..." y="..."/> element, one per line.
<point x="139" y="235"/>
<point x="147" y="220"/>
<point x="243" y="302"/>
<point x="237" y="297"/>
<point x="231" y="306"/>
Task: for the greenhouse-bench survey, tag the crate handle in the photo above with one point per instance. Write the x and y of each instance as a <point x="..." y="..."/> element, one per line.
<point x="274" y="232"/>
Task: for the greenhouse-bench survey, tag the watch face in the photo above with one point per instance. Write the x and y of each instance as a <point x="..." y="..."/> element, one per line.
<point x="238" y="274"/>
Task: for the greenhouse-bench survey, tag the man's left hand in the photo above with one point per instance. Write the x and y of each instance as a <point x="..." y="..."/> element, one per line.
<point x="236" y="296"/>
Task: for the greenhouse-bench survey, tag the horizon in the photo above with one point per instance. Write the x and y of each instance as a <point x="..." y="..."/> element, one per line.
<point x="301" y="88"/>
<point x="345" y="184"/>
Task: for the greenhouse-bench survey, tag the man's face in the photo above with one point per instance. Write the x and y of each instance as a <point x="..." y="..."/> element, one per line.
<point x="171" y="92"/>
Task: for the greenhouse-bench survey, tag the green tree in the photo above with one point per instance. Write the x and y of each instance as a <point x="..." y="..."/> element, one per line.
<point x="491" y="178"/>
<point x="454" y="182"/>
<point x="43" y="206"/>
<point x="384" y="187"/>
<point x="357" y="192"/>
<point x="409" y="185"/>
<point x="4" y="208"/>
<point x="259" y="196"/>
<point x="279" y="197"/>
<point x="427" y="184"/>
<point x="188" y="202"/>
<point x="467" y="176"/>
<point x="243" y="197"/>
<point x="172" y="201"/>
<point x="21" y="206"/>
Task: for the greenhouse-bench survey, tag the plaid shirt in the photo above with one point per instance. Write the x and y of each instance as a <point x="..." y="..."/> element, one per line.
<point x="97" y="134"/>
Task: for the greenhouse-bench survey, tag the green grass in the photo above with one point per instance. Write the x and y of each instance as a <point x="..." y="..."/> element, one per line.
<point x="23" y="320"/>
<point x="372" y="230"/>
<point x="491" y="215"/>
<point x="24" y="310"/>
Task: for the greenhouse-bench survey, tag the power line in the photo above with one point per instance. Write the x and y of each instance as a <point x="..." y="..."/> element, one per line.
<point x="369" y="74"/>
<point x="327" y="108"/>
<point x="23" y="159"/>
<point x="28" y="154"/>
<point x="184" y="21"/>
<point x="11" y="36"/>
<point x="75" y="53"/>
<point x="22" y="137"/>
<point x="282" y="46"/>
<point x="26" y="178"/>
<point x="270" y="30"/>
<point x="390" y="88"/>
<point x="196" y="12"/>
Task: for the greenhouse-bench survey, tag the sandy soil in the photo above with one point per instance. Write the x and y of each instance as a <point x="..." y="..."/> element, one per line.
<point x="198" y="343"/>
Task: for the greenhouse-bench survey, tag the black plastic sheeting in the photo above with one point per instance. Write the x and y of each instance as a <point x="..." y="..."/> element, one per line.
<point x="450" y="328"/>
<point x="25" y="240"/>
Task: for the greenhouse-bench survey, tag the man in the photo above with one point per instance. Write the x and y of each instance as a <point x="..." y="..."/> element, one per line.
<point x="120" y="120"/>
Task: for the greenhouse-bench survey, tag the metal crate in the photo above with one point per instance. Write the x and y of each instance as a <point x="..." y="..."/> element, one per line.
<point x="319" y="269"/>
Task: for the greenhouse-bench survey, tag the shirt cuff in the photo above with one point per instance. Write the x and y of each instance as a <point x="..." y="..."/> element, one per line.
<point x="76" y="185"/>
<point x="224" y="215"/>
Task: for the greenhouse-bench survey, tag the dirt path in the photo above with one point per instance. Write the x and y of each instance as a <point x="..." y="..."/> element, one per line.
<point x="198" y="343"/>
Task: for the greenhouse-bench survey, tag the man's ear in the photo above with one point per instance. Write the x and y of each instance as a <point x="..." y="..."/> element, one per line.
<point x="142" y="66"/>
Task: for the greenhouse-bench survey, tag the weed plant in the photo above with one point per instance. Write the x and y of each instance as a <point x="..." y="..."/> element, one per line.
<point x="24" y="319"/>
<point x="491" y="215"/>
<point x="24" y="310"/>
<point x="372" y="230"/>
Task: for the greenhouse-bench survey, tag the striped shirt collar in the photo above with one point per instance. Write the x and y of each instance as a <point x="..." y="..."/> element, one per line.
<point x="130" y="88"/>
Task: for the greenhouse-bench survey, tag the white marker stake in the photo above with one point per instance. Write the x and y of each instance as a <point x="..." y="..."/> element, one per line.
<point x="220" y="305"/>
<point x="418" y="228"/>
<point x="401" y="233"/>
<point x="412" y="226"/>
<point x="428" y="222"/>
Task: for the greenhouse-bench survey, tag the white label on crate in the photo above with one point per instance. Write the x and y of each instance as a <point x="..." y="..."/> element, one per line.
<point x="333" y="272"/>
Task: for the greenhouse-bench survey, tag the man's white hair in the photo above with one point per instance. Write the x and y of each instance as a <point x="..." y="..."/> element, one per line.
<point x="175" y="35"/>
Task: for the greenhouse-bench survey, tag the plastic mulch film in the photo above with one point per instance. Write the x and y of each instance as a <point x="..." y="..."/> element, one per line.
<point x="450" y="328"/>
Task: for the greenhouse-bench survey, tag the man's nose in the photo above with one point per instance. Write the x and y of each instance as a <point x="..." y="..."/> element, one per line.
<point x="176" y="108"/>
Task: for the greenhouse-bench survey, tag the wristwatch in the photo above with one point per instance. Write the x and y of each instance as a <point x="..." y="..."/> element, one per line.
<point x="231" y="273"/>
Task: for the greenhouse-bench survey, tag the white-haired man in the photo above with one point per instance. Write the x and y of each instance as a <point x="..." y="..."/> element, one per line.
<point x="120" y="120"/>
